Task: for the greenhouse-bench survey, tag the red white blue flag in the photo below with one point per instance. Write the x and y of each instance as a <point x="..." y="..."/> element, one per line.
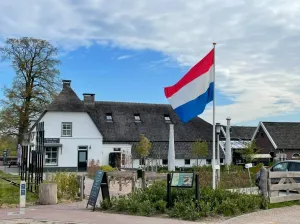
<point x="192" y="92"/>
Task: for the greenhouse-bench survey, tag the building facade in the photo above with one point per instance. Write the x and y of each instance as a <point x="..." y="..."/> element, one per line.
<point x="79" y="131"/>
<point x="275" y="138"/>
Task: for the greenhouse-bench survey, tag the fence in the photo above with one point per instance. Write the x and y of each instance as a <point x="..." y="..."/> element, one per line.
<point x="130" y="178"/>
<point x="280" y="186"/>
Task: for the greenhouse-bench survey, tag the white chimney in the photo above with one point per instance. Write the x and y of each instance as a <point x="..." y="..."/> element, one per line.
<point x="228" y="156"/>
<point x="171" y="153"/>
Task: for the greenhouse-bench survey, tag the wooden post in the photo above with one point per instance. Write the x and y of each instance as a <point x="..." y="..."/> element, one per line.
<point x="263" y="182"/>
<point x="144" y="180"/>
<point x="82" y="187"/>
<point x="48" y="194"/>
<point x="120" y="184"/>
<point x="169" y="196"/>
<point x="133" y="184"/>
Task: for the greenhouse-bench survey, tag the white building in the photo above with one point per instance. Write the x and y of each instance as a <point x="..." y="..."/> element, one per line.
<point x="77" y="132"/>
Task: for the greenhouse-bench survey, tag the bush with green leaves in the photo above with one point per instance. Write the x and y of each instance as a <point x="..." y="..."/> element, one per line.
<point x="67" y="185"/>
<point x="94" y="166"/>
<point x="152" y="201"/>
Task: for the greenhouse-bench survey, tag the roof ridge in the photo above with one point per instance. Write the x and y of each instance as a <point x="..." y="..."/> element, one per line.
<point x="136" y="103"/>
<point x="243" y="126"/>
<point x="282" y="122"/>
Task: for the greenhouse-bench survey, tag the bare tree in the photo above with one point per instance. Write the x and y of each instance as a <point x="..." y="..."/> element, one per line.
<point x="36" y="82"/>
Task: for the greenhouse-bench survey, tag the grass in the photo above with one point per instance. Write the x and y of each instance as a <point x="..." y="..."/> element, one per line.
<point x="284" y="204"/>
<point x="9" y="194"/>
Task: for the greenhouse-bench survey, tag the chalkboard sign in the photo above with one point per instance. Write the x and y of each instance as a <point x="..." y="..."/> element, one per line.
<point x="100" y="181"/>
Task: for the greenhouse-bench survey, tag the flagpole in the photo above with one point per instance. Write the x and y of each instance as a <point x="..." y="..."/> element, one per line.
<point x="214" y="124"/>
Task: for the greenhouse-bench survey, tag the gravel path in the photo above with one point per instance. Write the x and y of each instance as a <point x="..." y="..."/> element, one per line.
<point x="286" y="215"/>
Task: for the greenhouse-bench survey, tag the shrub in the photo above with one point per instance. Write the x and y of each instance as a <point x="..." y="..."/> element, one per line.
<point x="146" y="208"/>
<point x="67" y="185"/>
<point x="106" y="168"/>
<point x="152" y="201"/>
<point x="94" y="166"/>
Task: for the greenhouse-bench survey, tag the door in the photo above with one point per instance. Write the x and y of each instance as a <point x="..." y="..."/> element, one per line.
<point x="115" y="159"/>
<point x="82" y="161"/>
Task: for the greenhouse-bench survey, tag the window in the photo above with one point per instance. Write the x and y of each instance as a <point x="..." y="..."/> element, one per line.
<point x="109" y="117"/>
<point x="142" y="161"/>
<point x="208" y="161"/>
<point x="117" y="149"/>
<point x="296" y="156"/>
<point x="137" y="117"/>
<point x="262" y="134"/>
<point x="167" y="118"/>
<point x="51" y="156"/>
<point x="66" y="129"/>
<point x="221" y="161"/>
<point x="82" y="147"/>
<point x="165" y="162"/>
<point x="294" y="167"/>
<point x="187" y="161"/>
<point x="280" y="167"/>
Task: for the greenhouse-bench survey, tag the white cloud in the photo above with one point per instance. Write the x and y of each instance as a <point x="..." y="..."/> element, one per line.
<point x="257" y="52"/>
<point x="123" y="57"/>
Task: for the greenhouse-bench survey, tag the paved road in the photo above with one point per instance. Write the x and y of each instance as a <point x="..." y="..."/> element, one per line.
<point x="286" y="215"/>
<point x="82" y="217"/>
<point x="77" y="214"/>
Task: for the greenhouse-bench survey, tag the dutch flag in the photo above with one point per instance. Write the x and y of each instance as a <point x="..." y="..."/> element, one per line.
<point x="192" y="92"/>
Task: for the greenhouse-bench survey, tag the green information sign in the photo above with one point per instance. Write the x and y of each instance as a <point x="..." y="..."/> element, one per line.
<point x="182" y="180"/>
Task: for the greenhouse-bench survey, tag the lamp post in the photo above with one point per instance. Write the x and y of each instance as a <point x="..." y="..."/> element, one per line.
<point x="218" y="131"/>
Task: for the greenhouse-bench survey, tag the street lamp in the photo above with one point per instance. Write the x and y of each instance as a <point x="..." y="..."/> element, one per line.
<point x="218" y="131"/>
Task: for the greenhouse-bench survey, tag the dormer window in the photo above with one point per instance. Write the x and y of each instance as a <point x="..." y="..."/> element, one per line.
<point x="109" y="117"/>
<point x="137" y="118"/>
<point x="167" y="118"/>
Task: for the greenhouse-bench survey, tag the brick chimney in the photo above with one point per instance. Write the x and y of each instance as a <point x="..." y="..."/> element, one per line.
<point x="89" y="98"/>
<point x="66" y="83"/>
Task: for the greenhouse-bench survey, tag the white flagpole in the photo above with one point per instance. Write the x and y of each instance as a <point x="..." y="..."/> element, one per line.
<point x="214" y="124"/>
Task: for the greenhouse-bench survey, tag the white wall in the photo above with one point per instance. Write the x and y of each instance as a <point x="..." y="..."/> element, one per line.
<point x="178" y="163"/>
<point x="108" y="148"/>
<point x="84" y="133"/>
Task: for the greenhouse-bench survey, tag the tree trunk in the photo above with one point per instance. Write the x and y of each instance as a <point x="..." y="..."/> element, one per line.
<point x="20" y="135"/>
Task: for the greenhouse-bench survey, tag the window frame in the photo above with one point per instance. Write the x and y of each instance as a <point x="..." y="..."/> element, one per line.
<point x="287" y="167"/>
<point x="45" y="159"/>
<point x="166" y="163"/>
<point x="296" y="157"/>
<point x="108" y="115"/>
<point x="142" y="161"/>
<point x="296" y="164"/>
<point x="185" y="161"/>
<point x="169" y="118"/>
<point x="62" y="129"/>
<point x="137" y="115"/>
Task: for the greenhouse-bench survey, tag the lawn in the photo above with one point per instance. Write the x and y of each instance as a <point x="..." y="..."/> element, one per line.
<point x="9" y="194"/>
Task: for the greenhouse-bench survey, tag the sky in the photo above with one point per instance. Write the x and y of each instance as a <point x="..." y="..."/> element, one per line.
<point x="130" y="50"/>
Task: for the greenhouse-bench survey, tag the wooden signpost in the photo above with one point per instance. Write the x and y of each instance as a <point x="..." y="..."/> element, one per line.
<point x="100" y="181"/>
<point x="182" y="180"/>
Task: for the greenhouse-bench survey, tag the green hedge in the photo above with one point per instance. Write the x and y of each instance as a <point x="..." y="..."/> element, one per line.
<point x="152" y="201"/>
